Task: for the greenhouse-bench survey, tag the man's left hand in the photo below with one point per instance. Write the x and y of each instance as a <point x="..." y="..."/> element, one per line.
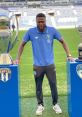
<point x="70" y="58"/>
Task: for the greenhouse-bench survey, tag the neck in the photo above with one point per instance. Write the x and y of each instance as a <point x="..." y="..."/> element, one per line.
<point x="41" y="30"/>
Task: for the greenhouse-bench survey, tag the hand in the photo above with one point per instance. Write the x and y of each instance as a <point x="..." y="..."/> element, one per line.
<point x="16" y="62"/>
<point x="70" y="58"/>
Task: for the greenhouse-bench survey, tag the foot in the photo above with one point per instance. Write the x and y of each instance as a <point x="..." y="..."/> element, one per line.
<point x="39" y="110"/>
<point x="57" y="109"/>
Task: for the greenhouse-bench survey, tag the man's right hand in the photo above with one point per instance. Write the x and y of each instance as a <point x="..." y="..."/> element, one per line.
<point x="16" y="61"/>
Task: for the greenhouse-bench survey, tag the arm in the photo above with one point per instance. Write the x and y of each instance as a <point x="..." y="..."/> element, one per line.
<point x="20" y="50"/>
<point x="66" y="49"/>
<point x="26" y="38"/>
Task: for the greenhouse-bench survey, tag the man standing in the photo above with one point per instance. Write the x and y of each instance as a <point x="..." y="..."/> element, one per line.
<point x="42" y="37"/>
<point x="13" y="27"/>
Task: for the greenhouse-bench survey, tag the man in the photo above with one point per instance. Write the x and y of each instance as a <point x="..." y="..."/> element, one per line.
<point x="42" y="38"/>
<point x="13" y="27"/>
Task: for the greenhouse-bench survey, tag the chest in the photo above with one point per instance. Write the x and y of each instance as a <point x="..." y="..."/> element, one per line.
<point x="42" y="38"/>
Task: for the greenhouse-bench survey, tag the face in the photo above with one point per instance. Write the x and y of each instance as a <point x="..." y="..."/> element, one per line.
<point x="41" y="23"/>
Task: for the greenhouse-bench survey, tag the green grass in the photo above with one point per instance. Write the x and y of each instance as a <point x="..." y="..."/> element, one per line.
<point x="29" y="106"/>
<point x="26" y="79"/>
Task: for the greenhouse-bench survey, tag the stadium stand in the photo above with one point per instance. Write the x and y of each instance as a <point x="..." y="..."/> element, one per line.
<point x="67" y="15"/>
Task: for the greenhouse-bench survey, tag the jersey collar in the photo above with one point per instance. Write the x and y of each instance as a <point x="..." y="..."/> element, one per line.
<point x="45" y="30"/>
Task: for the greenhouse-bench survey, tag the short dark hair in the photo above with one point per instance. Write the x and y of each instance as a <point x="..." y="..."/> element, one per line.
<point x="40" y="15"/>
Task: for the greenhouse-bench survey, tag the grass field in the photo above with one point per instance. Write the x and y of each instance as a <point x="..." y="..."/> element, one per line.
<point x="26" y="79"/>
<point x="29" y="105"/>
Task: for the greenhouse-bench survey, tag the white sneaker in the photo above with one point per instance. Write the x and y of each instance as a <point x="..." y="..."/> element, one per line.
<point x="57" y="109"/>
<point x="39" y="110"/>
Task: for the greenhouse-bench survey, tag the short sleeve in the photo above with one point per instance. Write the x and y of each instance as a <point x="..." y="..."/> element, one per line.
<point x="26" y="37"/>
<point x="57" y="35"/>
